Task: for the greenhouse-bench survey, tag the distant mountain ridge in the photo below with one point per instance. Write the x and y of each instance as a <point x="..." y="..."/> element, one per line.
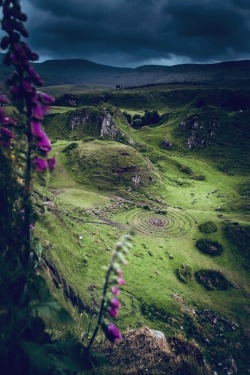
<point x="77" y="71"/>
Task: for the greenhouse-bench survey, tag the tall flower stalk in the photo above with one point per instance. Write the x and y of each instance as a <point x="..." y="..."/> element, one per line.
<point x="113" y="281"/>
<point x="32" y="106"/>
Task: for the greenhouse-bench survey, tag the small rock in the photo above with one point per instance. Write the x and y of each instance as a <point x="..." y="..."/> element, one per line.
<point x="158" y="334"/>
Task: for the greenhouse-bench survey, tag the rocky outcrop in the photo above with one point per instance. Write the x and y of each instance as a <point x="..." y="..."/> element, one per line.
<point x="192" y="123"/>
<point x="196" y="141"/>
<point x="201" y="130"/>
<point x="88" y="122"/>
<point x="108" y="128"/>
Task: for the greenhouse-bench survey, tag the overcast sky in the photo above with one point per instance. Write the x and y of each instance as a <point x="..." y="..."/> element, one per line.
<point x="138" y="32"/>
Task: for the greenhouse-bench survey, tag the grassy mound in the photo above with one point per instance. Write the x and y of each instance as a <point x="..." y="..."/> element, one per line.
<point x="240" y="236"/>
<point x="208" y="227"/>
<point x="184" y="273"/>
<point x="108" y="165"/>
<point x="212" y="280"/>
<point x="207" y="246"/>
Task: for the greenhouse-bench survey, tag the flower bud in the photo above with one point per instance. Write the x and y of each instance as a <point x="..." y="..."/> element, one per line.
<point x="46" y="99"/>
<point x="121" y="281"/>
<point x="40" y="164"/>
<point x="112" y="333"/>
<point x="115" y="290"/>
<point x="5" y="42"/>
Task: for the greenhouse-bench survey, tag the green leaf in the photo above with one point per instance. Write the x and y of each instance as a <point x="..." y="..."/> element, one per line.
<point x="99" y="359"/>
<point x="67" y="356"/>
<point x="49" y="308"/>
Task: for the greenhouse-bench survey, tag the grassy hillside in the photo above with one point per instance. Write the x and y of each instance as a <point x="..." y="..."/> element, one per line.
<point x="183" y="278"/>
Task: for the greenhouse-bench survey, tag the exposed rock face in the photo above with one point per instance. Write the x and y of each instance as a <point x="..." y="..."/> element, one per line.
<point x="108" y="128"/>
<point x="192" y="123"/>
<point x="196" y="141"/>
<point x="95" y="123"/>
<point x="200" y="130"/>
<point x="86" y="121"/>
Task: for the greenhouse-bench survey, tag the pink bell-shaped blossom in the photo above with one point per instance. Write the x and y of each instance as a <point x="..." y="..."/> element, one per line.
<point x="36" y="129"/>
<point x="44" y="143"/>
<point x="112" y="333"/>
<point x="40" y="164"/>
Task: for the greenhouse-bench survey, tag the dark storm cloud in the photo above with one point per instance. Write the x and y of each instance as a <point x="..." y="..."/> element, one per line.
<point x="132" y="32"/>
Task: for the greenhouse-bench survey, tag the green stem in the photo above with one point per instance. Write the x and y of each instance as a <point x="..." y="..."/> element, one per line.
<point x="104" y="292"/>
<point x="27" y="204"/>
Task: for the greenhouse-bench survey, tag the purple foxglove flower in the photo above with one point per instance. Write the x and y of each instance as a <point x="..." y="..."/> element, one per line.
<point x="115" y="290"/>
<point x="115" y="303"/>
<point x="121" y="281"/>
<point x="46" y="99"/>
<point x="38" y="112"/>
<point x="51" y="163"/>
<point x="40" y="164"/>
<point x="113" y="312"/>
<point x="114" y="307"/>
<point x="36" y="129"/>
<point x="5" y="42"/>
<point x="112" y="333"/>
<point x="34" y="75"/>
<point x="27" y="86"/>
<point x="8" y="121"/>
<point x="119" y="272"/>
<point x="44" y="143"/>
<point x="7" y="133"/>
<point x="4" y="99"/>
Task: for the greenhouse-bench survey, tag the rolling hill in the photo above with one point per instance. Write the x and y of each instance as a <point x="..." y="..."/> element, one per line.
<point x="62" y="72"/>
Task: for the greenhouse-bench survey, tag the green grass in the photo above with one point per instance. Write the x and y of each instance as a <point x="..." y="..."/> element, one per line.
<point x="82" y="198"/>
<point x="56" y="109"/>
<point x="97" y="200"/>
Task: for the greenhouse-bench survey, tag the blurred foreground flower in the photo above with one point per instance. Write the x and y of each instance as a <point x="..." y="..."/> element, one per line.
<point x="113" y="280"/>
<point x="32" y="103"/>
